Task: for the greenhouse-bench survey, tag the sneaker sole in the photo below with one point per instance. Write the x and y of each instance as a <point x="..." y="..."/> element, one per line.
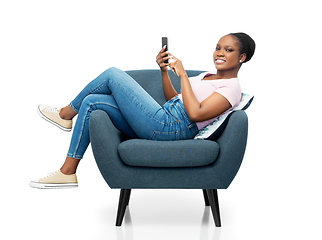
<point x="52" y="122"/>
<point x="53" y="185"/>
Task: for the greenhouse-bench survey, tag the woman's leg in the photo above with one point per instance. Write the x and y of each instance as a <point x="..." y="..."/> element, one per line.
<point x="97" y="96"/>
<point x="142" y="113"/>
<point x="134" y="103"/>
<point x="80" y="138"/>
<point x="101" y="94"/>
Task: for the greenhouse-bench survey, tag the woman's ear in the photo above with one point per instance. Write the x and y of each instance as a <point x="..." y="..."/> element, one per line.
<point x="242" y="57"/>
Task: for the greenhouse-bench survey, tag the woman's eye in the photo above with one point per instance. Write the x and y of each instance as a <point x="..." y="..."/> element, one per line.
<point x="229" y="50"/>
<point x="217" y="48"/>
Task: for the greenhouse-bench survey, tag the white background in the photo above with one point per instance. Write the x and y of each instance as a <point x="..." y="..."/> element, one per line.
<point x="50" y="49"/>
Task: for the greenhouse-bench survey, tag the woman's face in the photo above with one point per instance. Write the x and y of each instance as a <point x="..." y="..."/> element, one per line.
<point x="226" y="55"/>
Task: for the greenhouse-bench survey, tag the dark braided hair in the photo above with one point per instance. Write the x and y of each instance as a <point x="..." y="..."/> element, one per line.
<point x="247" y="44"/>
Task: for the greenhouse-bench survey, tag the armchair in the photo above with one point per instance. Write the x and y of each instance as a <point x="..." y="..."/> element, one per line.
<point x="187" y="164"/>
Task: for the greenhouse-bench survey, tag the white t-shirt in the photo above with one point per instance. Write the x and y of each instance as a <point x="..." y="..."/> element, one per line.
<point x="229" y="88"/>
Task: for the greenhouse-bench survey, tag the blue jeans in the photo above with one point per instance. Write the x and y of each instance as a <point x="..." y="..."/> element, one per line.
<point x="131" y="109"/>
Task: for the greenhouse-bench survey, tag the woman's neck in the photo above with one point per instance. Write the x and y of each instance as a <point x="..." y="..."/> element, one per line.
<point x="226" y="74"/>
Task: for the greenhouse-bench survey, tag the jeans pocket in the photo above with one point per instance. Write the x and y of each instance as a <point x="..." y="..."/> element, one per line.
<point x="192" y="127"/>
<point x="165" y="136"/>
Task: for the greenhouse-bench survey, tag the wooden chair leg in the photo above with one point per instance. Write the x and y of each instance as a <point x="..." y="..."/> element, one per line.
<point x="213" y="199"/>
<point x="206" y="197"/>
<point x="128" y="197"/>
<point x="123" y="202"/>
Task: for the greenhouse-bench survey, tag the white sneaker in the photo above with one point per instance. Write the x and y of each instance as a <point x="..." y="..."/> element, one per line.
<point x="51" y="114"/>
<point x="55" y="180"/>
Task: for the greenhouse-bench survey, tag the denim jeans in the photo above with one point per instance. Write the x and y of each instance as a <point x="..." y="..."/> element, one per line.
<point x="131" y="109"/>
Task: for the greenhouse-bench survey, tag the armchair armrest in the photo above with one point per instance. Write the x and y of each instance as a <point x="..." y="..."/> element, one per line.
<point x="105" y="139"/>
<point x="232" y="144"/>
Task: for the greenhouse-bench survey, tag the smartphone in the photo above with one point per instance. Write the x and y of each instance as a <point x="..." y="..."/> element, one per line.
<point x="165" y="42"/>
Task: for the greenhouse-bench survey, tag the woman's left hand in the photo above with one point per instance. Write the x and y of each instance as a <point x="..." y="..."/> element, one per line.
<point x="176" y="66"/>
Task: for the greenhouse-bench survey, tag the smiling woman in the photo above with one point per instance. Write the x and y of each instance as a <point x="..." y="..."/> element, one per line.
<point x="135" y="113"/>
<point x="231" y="52"/>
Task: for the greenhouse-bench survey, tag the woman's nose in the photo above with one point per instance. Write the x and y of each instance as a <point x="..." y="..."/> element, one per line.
<point x="220" y="54"/>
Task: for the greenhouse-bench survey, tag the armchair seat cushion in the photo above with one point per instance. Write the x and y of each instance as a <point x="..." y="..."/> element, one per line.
<point x="182" y="153"/>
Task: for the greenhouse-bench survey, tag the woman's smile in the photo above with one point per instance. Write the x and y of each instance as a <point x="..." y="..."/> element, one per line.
<point x="219" y="61"/>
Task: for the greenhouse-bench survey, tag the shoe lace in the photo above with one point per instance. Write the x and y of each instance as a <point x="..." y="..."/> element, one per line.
<point x="52" y="109"/>
<point x="49" y="175"/>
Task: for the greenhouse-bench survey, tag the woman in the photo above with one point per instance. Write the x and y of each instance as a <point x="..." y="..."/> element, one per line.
<point x="134" y="112"/>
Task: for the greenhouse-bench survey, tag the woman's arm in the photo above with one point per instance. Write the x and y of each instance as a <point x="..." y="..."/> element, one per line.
<point x="211" y="107"/>
<point x="168" y="89"/>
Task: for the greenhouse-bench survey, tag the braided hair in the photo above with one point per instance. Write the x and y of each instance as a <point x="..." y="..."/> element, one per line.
<point x="246" y="44"/>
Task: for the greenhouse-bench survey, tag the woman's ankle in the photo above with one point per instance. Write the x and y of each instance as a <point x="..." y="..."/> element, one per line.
<point x="70" y="166"/>
<point x="67" y="113"/>
<point x="67" y="171"/>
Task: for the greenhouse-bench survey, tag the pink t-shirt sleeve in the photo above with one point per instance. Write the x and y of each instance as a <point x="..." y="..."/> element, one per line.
<point x="231" y="91"/>
<point x="229" y="88"/>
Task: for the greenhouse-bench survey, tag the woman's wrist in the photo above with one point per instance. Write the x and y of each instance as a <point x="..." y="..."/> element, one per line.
<point x="183" y="75"/>
<point x="164" y="69"/>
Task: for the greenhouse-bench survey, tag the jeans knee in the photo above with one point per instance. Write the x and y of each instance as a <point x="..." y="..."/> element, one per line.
<point x="112" y="70"/>
<point x="98" y="101"/>
<point x="89" y="100"/>
<point x="89" y="104"/>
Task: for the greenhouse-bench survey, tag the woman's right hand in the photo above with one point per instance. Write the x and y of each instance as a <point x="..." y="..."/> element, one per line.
<point x="161" y="58"/>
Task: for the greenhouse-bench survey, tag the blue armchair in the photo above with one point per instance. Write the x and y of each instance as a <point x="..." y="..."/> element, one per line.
<point x="187" y="164"/>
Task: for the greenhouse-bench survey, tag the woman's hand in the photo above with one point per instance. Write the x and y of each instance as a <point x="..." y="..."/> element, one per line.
<point x="168" y="89"/>
<point x="176" y="66"/>
<point x="161" y="58"/>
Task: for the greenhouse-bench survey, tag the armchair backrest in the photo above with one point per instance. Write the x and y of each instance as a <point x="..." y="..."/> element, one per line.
<point x="150" y="80"/>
